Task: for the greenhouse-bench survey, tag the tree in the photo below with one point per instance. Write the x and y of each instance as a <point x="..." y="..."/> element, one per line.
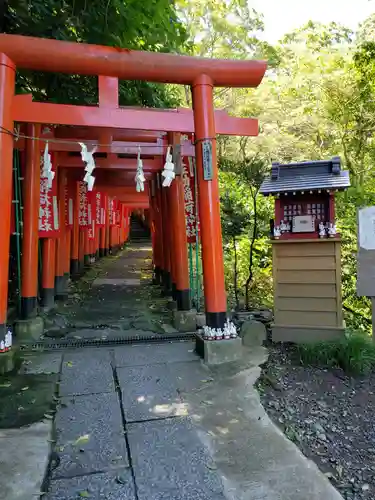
<point x="317" y="103"/>
<point x="366" y="31"/>
<point x="235" y="221"/>
<point x="317" y="36"/>
<point x="224" y="29"/>
<point x="121" y="23"/>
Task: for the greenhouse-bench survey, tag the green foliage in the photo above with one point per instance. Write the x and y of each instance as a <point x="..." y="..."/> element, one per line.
<point x="234" y="218"/>
<point x="318" y="102"/>
<point x="318" y="35"/>
<point x="245" y="223"/>
<point x="221" y="29"/>
<point x="354" y="353"/>
<point x="152" y="26"/>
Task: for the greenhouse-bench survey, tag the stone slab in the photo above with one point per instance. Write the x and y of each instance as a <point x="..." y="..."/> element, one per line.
<point x="148" y="393"/>
<point x="255" y="459"/>
<point x="138" y="249"/>
<point x="189" y="376"/>
<point x="124" y="274"/>
<point x="24" y="455"/>
<point x="8" y="361"/>
<point x="185" y="321"/>
<point x="89" y="435"/>
<point x="117" y="282"/>
<point x="29" y="329"/>
<point x="47" y="362"/>
<point x="253" y="333"/>
<point x="136" y="261"/>
<point x="94" y="333"/>
<point x="216" y="352"/>
<point x="105" y="486"/>
<point x="171" y="463"/>
<point x="171" y="352"/>
<point x="87" y="371"/>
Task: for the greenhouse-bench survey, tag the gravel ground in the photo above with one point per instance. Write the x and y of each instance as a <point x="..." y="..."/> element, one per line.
<point x="330" y="416"/>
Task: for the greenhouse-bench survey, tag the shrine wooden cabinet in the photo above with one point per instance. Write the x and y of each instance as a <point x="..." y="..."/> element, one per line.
<point x="307" y="290"/>
<point x="306" y="250"/>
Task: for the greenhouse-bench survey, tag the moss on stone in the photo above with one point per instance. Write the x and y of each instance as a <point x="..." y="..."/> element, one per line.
<point x="25" y="399"/>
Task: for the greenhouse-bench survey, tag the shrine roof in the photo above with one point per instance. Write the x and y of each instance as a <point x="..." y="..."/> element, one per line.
<point x="306" y="176"/>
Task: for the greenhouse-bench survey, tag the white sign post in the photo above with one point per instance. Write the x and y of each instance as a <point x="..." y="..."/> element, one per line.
<point x="366" y="257"/>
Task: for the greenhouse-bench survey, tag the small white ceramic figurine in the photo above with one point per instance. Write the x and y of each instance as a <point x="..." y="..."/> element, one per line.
<point x="283" y="226"/>
<point x="276" y="232"/>
<point x="331" y="230"/>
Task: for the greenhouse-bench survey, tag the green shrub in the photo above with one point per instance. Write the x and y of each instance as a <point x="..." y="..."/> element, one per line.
<point x="354" y="353"/>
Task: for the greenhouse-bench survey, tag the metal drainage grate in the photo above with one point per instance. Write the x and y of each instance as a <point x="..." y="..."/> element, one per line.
<point x="74" y="343"/>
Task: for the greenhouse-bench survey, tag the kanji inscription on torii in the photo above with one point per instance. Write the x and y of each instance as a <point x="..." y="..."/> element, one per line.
<point x="83" y="211"/>
<point x="112" y="211"/>
<point x="48" y="208"/>
<point x="189" y="197"/>
<point x="99" y="209"/>
<point x="68" y="204"/>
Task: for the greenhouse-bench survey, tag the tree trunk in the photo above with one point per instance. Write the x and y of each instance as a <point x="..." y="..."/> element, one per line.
<point x="236" y="274"/>
<point x="251" y="259"/>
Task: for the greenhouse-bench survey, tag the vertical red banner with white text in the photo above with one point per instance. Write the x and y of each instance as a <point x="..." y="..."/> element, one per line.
<point x="84" y="211"/>
<point x="112" y="211"/>
<point x="68" y="203"/>
<point x="188" y="181"/>
<point x="91" y="215"/>
<point x="48" y="204"/>
<point x="99" y="209"/>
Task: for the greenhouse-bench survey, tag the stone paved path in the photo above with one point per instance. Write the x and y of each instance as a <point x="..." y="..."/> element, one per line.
<point x="151" y="422"/>
<point x="115" y="299"/>
<point x="123" y="429"/>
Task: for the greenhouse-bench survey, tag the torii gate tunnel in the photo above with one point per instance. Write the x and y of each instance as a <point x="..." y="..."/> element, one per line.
<point x="118" y="133"/>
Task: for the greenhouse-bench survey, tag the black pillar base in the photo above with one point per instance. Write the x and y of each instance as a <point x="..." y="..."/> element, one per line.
<point x="3" y="331"/>
<point x="61" y="287"/>
<point x="48" y="298"/>
<point x="216" y="319"/>
<point x="158" y="273"/>
<point x="174" y="292"/>
<point x="29" y="307"/>
<point x="76" y="268"/>
<point x="183" y="300"/>
<point x="96" y="255"/>
<point x="167" y="283"/>
<point x="102" y="252"/>
<point x="87" y="260"/>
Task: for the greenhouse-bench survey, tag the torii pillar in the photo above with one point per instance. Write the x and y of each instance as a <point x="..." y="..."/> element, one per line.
<point x="179" y="253"/>
<point x="160" y="270"/>
<point x="209" y="202"/>
<point x="30" y="240"/>
<point x="7" y="86"/>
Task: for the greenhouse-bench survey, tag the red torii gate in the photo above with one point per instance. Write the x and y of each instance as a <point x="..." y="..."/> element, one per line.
<point x="58" y="56"/>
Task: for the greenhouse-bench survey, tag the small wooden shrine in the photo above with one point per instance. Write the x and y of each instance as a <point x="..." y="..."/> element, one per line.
<point x="306" y="250"/>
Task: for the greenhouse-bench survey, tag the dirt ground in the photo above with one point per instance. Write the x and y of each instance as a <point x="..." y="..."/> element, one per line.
<point x="330" y="416"/>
